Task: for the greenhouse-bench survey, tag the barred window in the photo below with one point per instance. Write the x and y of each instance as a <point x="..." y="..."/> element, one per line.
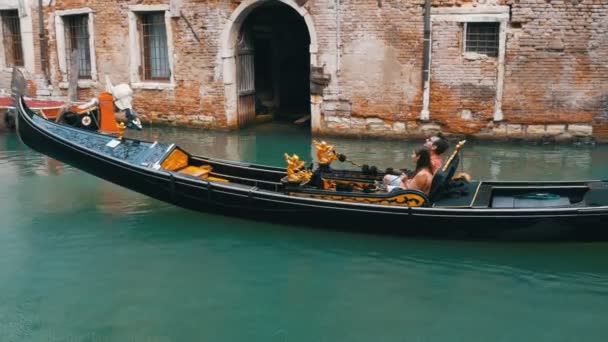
<point x="482" y="38"/>
<point x="154" y="49"/>
<point x="11" y="37"/>
<point x="77" y="38"/>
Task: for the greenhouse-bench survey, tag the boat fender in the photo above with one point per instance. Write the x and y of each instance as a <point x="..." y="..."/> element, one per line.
<point x="86" y="120"/>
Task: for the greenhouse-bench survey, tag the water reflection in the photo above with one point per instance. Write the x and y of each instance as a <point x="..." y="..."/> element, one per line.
<point x="489" y="161"/>
<point x="266" y="145"/>
<point x="53" y="167"/>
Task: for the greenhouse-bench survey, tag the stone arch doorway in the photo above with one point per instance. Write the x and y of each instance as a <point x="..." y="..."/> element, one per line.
<point x="265" y="43"/>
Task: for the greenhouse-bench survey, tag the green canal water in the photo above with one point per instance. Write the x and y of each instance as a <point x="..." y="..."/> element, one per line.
<point x="84" y="260"/>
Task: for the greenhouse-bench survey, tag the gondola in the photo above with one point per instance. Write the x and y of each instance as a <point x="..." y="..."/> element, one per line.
<point x="571" y="210"/>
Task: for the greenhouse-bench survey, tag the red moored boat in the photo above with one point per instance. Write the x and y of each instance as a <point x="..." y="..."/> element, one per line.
<point x="98" y="114"/>
<point x="47" y="108"/>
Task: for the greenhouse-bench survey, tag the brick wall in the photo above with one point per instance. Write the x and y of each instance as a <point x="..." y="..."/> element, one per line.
<point x="555" y="66"/>
<point x="556" y="69"/>
<point x="463" y="90"/>
<point x="381" y="58"/>
<point x="198" y="88"/>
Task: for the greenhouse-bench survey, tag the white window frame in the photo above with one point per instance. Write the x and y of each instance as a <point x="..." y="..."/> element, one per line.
<point x="135" y="48"/>
<point x="494" y="14"/>
<point x="481" y="14"/>
<point x="3" y="48"/>
<point x="27" y="37"/>
<point x="61" y="46"/>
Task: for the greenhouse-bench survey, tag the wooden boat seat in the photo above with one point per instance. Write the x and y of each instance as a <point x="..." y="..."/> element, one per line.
<point x="203" y="172"/>
<point x="218" y="179"/>
<point x="78" y="110"/>
<point x="177" y="161"/>
<point x="196" y="171"/>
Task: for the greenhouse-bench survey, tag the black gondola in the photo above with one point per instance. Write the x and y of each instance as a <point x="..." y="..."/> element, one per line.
<point x="505" y="210"/>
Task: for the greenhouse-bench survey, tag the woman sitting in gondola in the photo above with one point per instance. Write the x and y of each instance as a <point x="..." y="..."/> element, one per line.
<point x="422" y="178"/>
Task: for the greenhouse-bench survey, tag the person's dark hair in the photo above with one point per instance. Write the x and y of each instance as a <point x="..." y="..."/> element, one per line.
<point x="424" y="159"/>
<point x="441" y="144"/>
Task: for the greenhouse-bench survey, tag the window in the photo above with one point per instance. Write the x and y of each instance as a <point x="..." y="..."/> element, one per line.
<point x="150" y="47"/>
<point x="153" y="46"/>
<point x="482" y="38"/>
<point x="11" y="37"/>
<point x="77" y="38"/>
<point x="74" y="31"/>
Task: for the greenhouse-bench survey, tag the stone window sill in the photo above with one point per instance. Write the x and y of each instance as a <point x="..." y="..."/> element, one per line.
<point x="5" y="68"/>
<point x="153" y="85"/>
<point x="82" y="84"/>
<point x="474" y="56"/>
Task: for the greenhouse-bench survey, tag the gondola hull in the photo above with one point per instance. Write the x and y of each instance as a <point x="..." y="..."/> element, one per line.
<point x="136" y="168"/>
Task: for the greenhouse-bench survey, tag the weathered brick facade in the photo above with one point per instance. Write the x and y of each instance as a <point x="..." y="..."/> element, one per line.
<point x="549" y="80"/>
<point x="462" y="91"/>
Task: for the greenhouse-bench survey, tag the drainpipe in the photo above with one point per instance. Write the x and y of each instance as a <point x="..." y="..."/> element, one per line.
<point x="337" y="5"/>
<point x="43" y="49"/>
<point x="426" y="62"/>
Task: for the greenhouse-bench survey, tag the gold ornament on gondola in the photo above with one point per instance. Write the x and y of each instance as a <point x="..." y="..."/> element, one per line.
<point x="294" y="169"/>
<point x="121" y="130"/>
<point x="456" y="150"/>
<point x="460" y="175"/>
<point x="325" y="152"/>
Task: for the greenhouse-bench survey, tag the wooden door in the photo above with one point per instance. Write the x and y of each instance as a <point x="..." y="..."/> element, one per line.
<point x="245" y="79"/>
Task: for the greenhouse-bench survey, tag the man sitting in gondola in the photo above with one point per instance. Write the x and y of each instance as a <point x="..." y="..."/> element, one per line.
<point x="421" y="179"/>
<point x="438" y="145"/>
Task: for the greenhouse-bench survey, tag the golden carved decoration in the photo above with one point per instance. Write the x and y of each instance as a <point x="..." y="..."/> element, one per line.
<point x="121" y="130"/>
<point x="460" y="175"/>
<point x="325" y="152"/>
<point x="456" y="150"/>
<point x="330" y="183"/>
<point x="406" y="200"/>
<point x="294" y="169"/>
